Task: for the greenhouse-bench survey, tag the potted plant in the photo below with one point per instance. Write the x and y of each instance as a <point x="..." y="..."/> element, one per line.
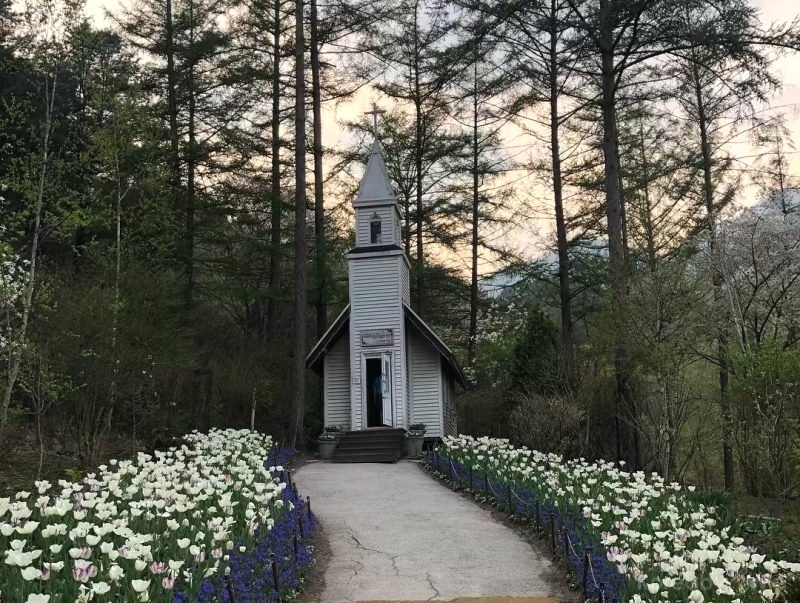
<point x="327" y="441"/>
<point x="415" y="436"/>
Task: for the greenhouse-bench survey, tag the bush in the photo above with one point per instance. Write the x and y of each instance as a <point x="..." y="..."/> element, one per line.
<point x="550" y="423"/>
<point x="765" y="396"/>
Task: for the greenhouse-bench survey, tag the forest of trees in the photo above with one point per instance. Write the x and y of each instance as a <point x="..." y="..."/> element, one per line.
<point x="173" y="227"/>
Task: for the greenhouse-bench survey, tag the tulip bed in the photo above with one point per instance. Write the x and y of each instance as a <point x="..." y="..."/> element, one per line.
<point x="210" y="520"/>
<point x="623" y="536"/>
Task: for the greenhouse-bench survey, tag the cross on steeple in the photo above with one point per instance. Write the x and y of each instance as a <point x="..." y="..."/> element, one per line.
<point x="375" y="112"/>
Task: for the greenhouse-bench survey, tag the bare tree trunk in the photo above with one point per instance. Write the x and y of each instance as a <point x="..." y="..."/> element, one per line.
<point x="565" y="298"/>
<point x="117" y="270"/>
<point x="781" y="176"/>
<point x="253" y="412"/>
<point x="27" y="299"/>
<point x="172" y="103"/>
<point x="407" y="229"/>
<point x="722" y="336"/>
<point x="647" y="212"/>
<point x="418" y="150"/>
<point x="616" y="250"/>
<point x="275" y="184"/>
<point x="613" y="200"/>
<point x="473" y="289"/>
<point x="191" y="167"/>
<point x="41" y="442"/>
<point x="118" y="244"/>
<point x="631" y="407"/>
<point x="319" y="199"/>
<point x="300" y="253"/>
<point x="622" y="201"/>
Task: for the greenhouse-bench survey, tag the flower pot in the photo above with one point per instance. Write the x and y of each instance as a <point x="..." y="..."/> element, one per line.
<point x="412" y="446"/>
<point x="326" y="448"/>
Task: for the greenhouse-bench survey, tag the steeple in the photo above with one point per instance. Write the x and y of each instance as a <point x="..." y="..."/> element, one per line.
<point x="375" y="184"/>
<point x="377" y="212"/>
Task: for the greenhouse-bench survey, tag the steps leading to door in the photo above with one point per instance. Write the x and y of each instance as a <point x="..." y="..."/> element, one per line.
<point x="370" y="446"/>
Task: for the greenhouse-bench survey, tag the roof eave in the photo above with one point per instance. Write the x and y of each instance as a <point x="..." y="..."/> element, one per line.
<point x="443" y="349"/>
<point x="319" y="349"/>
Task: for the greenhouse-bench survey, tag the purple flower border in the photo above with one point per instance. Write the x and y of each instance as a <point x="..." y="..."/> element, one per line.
<point x="251" y="576"/>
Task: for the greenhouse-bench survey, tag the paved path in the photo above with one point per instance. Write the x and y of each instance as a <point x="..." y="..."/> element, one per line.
<point x="396" y="534"/>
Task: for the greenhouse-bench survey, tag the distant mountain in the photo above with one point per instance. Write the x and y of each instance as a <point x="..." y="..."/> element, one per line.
<point x="497" y="284"/>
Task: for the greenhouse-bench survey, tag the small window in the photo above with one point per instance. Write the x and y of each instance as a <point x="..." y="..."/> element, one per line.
<point x="375" y="229"/>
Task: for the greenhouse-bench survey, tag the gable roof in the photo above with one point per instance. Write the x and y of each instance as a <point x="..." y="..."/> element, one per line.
<point x="329" y="337"/>
<point x="339" y="327"/>
<point x="447" y="354"/>
<point x="375" y="184"/>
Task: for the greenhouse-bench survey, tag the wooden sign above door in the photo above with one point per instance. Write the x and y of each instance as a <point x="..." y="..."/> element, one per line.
<point x="375" y="338"/>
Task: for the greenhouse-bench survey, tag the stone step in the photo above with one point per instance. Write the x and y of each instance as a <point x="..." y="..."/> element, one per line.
<point x="367" y="457"/>
<point x="369" y="446"/>
<point x="365" y="446"/>
<point x="374" y="433"/>
<point x="381" y="438"/>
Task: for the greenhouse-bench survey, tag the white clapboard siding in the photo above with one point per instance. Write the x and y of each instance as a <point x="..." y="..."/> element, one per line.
<point x="363" y="217"/>
<point x="398" y="227"/>
<point x="426" y="389"/>
<point x="405" y="283"/>
<point x="408" y="375"/>
<point x="375" y="304"/>
<point x="337" y="384"/>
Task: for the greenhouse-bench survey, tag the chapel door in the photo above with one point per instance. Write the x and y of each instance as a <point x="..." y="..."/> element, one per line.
<point x="374" y="390"/>
<point x="386" y="389"/>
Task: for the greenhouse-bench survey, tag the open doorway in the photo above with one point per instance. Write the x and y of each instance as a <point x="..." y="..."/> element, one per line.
<point x="374" y="393"/>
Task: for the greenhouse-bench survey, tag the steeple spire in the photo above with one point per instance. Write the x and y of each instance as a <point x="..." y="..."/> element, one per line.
<point x="375" y="184"/>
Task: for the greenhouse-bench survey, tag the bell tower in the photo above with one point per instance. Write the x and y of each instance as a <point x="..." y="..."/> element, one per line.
<point x="379" y="287"/>
<point x="376" y="209"/>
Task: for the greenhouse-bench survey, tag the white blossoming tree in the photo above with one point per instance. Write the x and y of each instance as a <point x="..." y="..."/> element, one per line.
<point x="760" y="263"/>
<point x="13" y="280"/>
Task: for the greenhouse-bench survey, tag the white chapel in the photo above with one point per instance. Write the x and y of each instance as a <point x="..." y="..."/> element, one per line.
<point x="381" y="365"/>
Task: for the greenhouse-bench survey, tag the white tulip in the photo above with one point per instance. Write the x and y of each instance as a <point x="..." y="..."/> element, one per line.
<point x="28" y="527"/>
<point x="115" y="572"/>
<point x="55" y="566"/>
<point x="31" y="573"/>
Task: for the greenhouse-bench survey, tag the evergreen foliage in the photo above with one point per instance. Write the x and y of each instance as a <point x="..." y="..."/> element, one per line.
<point x="574" y="199"/>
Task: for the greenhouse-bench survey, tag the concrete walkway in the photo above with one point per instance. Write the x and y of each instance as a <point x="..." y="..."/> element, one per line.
<point x="395" y="534"/>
